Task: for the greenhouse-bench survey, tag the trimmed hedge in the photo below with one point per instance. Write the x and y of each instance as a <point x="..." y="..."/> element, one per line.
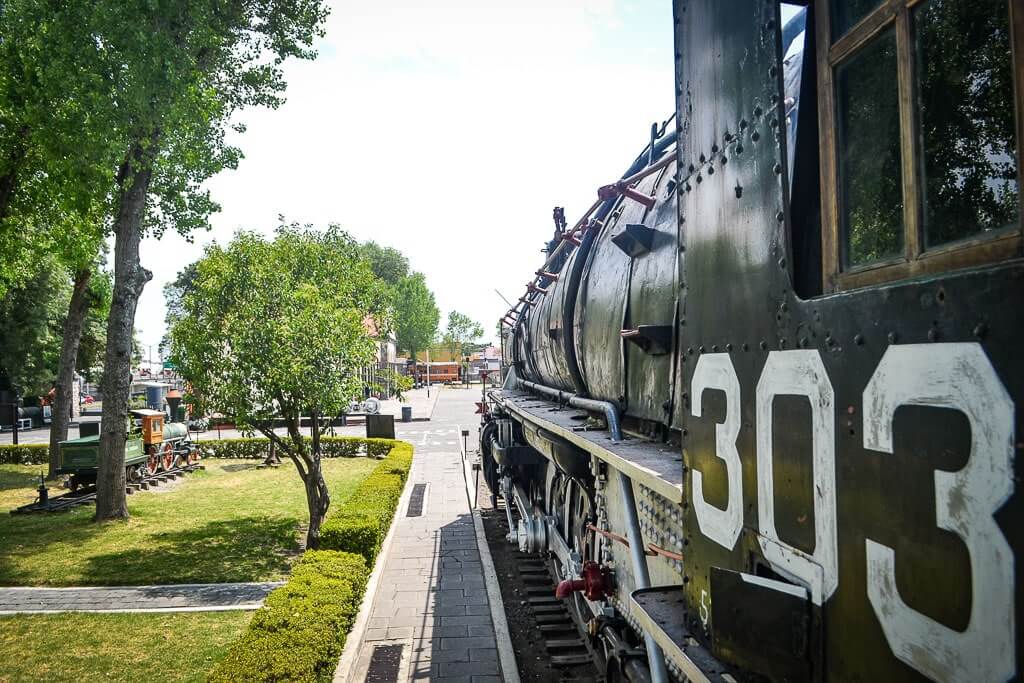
<point x="300" y="631"/>
<point x="25" y="454"/>
<point x="361" y="524"/>
<point x="332" y="447"/>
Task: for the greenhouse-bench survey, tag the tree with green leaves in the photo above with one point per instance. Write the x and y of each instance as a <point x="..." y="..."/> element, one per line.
<point x="388" y="263"/>
<point x="175" y="72"/>
<point x="460" y="330"/>
<point x="416" y="314"/>
<point x="274" y="330"/>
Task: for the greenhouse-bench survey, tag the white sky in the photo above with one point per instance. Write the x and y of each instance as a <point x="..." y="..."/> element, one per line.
<point x="448" y="131"/>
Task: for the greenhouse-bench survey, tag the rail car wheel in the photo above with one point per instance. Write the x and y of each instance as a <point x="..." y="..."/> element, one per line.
<point x="152" y="464"/>
<point x="167" y="457"/>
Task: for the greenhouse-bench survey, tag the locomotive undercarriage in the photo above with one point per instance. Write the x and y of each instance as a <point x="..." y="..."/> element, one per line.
<point x="567" y="502"/>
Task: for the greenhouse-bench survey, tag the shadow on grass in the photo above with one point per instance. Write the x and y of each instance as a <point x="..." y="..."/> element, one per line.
<point x="244" y="549"/>
<point x="241" y="467"/>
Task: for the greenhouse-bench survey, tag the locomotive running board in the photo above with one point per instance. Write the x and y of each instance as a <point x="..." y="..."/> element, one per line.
<point x="654" y="465"/>
<point x="660" y="611"/>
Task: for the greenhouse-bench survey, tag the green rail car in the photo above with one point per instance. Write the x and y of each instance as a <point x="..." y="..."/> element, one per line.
<point x="82" y="455"/>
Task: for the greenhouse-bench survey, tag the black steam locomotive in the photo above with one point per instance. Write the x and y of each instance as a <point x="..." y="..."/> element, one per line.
<point x="762" y="401"/>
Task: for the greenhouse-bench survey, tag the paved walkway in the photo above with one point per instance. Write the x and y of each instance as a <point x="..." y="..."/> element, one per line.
<point x="431" y="601"/>
<point x="188" y="597"/>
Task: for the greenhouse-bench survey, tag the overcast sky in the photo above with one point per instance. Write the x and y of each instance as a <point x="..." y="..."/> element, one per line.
<point x="447" y="130"/>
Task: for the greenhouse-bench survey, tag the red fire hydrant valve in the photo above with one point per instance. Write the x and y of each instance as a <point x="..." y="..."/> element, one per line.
<point x="595" y="583"/>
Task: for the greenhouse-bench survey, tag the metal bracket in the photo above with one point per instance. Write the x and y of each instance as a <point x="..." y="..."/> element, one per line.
<point x="634" y="239"/>
<point x="655" y="340"/>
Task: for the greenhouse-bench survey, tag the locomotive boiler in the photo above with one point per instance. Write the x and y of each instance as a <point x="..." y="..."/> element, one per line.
<point x="761" y="402"/>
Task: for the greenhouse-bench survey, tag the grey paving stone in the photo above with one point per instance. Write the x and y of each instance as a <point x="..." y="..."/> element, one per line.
<point x="459" y="643"/>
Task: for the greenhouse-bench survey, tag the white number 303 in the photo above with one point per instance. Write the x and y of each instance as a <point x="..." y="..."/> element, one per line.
<point x="957" y="376"/>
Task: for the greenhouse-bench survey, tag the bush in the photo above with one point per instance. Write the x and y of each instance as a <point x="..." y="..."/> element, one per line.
<point x="299" y="633"/>
<point x="27" y="454"/>
<point x="332" y="447"/>
<point x="361" y="524"/>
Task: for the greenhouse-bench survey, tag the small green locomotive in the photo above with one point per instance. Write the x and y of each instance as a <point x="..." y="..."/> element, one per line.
<point x="151" y="447"/>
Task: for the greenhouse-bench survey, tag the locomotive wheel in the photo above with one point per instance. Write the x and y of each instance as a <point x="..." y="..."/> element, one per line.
<point x="193" y="455"/>
<point x="167" y="457"/>
<point x="152" y="464"/>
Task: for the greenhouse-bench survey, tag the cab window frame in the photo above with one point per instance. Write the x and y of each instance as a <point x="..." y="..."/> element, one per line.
<point x="916" y="259"/>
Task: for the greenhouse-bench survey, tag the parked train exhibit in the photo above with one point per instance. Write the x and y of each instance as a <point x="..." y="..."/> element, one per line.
<point x="151" y="447"/>
<point x="761" y="406"/>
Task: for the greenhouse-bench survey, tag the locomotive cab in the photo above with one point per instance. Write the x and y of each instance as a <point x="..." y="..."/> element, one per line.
<point x="151" y="423"/>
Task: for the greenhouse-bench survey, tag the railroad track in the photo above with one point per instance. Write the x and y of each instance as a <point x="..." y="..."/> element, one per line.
<point x="87" y="494"/>
<point x="549" y="643"/>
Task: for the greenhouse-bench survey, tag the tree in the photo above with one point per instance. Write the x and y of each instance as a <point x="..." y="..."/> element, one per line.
<point x="31" y="315"/>
<point x="388" y="264"/>
<point x="416" y="314"/>
<point x="87" y="293"/>
<point x="178" y="71"/>
<point x="272" y="330"/>
<point x="461" y="329"/>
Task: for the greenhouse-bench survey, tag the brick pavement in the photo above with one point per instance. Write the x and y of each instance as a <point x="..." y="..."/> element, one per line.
<point x="431" y="597"/>
<point x="168" y="598"/>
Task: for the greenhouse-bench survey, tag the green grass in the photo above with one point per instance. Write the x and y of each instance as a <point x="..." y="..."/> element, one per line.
<point x="180" y="646"/>
<point x="232" y="522"/>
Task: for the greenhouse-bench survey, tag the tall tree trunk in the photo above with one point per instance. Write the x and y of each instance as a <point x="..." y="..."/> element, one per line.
<point x="130" y="278"/>
<point x="62" y="402"/>
<point x="318" y="498"/>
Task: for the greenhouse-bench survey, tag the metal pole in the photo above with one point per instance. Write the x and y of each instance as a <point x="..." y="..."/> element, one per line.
<point x="641" y="576"/>
<point x="428" y="372"/>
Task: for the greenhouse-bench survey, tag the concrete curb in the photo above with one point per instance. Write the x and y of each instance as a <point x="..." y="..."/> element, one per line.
<point x="502" y="638"/>
<point x="354" y="640"/>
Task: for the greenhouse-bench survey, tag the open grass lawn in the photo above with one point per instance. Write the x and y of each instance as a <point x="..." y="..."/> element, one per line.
<point x="181" y="646"/>
<point x="231" y="522"/>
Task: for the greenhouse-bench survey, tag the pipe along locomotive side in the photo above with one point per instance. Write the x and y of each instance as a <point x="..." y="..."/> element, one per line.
<point x="151" y="447"/>
<point x="761" y="402"/>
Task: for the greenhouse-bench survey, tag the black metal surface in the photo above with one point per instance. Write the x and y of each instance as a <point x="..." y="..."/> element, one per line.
<point x="385" y="663"/>
<point x="766" y="626"/>
<point x="416" y="500"/>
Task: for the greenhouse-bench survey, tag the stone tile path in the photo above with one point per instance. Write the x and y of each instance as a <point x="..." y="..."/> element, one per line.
<point x="193" y="597"/>
<point x="431" y="597"/>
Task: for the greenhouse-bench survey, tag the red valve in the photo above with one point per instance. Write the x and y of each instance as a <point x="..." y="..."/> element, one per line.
<point x="595" y="584"/>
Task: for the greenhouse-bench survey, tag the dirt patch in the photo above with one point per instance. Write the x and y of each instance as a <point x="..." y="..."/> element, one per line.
<point x="531" y="655"/>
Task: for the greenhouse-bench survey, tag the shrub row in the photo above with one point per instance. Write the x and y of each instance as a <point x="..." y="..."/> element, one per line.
<point x="361" y="524"/>
<point x="26" y="454"/>
<point x="300" y="631"/>
<point x="332" y="447"/>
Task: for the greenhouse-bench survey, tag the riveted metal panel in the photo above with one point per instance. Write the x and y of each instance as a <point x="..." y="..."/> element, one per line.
<point x="652" y="302"/>
<point x="839" y="497"/>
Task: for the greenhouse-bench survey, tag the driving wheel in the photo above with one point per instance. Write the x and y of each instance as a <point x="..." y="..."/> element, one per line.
<point x="167" y="457"/>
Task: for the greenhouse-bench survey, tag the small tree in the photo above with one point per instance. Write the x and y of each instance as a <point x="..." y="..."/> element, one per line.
<point x="416" y="314"/>
<point x="461" y="329"/>
<point x="273" y="330"/>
